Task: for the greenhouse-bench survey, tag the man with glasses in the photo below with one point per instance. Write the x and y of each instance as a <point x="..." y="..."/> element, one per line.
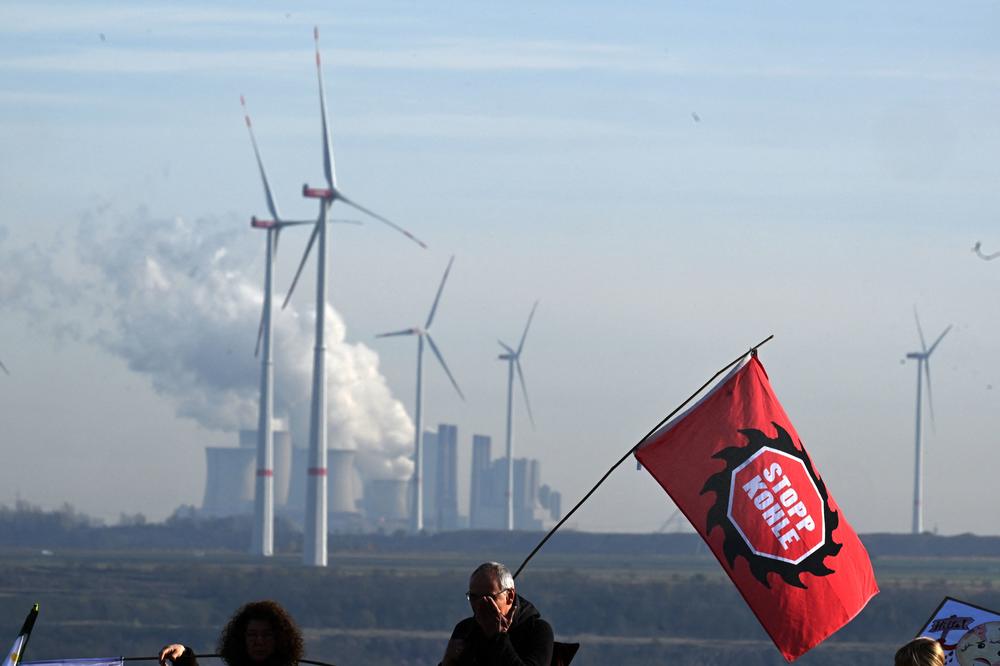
<point x="505" y="629"/>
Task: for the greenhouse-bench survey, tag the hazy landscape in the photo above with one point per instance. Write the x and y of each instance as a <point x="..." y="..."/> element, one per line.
<point x="392" y="599"/>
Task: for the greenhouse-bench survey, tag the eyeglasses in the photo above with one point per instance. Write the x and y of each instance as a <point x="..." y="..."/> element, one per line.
<point x="473" y="597"/>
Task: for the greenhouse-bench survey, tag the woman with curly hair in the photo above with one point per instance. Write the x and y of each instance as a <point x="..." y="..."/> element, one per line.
<point x="261" y="633"/>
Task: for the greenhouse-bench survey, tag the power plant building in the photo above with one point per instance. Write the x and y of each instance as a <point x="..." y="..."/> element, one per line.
<point x="478" y="488"/>
<point x="385" y="504"/>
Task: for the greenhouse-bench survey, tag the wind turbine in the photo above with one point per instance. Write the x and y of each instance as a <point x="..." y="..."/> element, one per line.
<point x="4" y="368"/>
<point x="422" y="333"/>
<point x="923" y="368"/>
<point x="978" y="249"/>
<point x="262" y="542"/>
<point x="513" y="359"/>
<point x="314" y="547"/>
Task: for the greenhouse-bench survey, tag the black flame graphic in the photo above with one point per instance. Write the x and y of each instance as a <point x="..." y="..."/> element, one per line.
<point x="734" y="546"/>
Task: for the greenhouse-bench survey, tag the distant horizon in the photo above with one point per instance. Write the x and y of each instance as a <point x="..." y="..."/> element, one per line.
<point x="102" y="521"/>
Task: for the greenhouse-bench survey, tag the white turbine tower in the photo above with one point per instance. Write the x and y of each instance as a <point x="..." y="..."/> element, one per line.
<point x="417" y="522"/>
<point x="513" y="359"/>
<point x="262" y="542"/>
<point x="314" y="548"/>
<point x="923" y="369"/>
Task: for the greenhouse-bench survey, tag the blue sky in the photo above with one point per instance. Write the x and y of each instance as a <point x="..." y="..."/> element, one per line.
<point x="843" y="163"/>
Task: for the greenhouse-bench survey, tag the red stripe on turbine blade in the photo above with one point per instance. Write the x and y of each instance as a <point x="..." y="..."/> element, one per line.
<point x="317" y="471"/>
<point x="265" y="472"/>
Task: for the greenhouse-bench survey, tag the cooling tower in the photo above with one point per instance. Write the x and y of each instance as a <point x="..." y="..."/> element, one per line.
<point x="297" y="492"/>
<point x="229" y="481"/>
<point x="340" y="466"/>
<point x="282" y="466"/>
<point x="386" y="500"/>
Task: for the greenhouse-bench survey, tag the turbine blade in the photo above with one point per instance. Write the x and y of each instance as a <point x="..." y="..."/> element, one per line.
<point x="271" y="206"/>
<point x="437" y="297"/>
<point x="408" y="331"/>
<point x="293" y="223"/>
<point x="920" y="331"/>
<point x="328" y="166"/>
<point x="272" y="237"/>
<point x="524" y="390"/>
<point x="525" y="334"/>
<point x="260" y="333"/>
<point x="440" y="358"/>
<point x="354" y="222"/>
<point x="382" y="219"/>
<point x="507" y="347"/>
<point x="4" y="368"/>
<point x="305" y="255"/>
<point x="936" y="342"/>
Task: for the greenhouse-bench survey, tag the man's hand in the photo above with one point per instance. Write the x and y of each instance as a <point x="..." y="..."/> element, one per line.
<point x="171" y="652"/>
<point x="490" y="619"/>
<point x="453" y="652"/>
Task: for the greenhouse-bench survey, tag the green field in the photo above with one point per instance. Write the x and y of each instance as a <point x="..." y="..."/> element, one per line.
<point x="398" y="607"/>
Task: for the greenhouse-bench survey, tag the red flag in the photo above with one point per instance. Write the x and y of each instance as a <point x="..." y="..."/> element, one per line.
<point x="736" y="468"/>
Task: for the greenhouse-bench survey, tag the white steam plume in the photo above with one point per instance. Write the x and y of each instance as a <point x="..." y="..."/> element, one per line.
<point x="180" y="303"/>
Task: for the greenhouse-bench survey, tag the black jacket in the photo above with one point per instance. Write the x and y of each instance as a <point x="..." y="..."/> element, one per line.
<point x="528" y="641"/>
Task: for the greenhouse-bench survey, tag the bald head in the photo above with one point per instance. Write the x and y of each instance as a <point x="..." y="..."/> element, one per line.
<point x="495" y="572"/>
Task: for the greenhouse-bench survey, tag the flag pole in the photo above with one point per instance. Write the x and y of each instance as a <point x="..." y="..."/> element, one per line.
<point x="29" y="624"/>
<point x="752" y="350"/>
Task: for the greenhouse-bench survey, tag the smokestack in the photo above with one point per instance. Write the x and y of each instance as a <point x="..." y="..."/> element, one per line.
<point x="447" y="477"/>
<point x="480" y="482"/>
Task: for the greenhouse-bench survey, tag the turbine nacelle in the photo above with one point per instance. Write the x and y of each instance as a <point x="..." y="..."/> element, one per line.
<point x="257" y="223"/>
<point x="325" y="193"/>
<point x="510" y="354"/>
